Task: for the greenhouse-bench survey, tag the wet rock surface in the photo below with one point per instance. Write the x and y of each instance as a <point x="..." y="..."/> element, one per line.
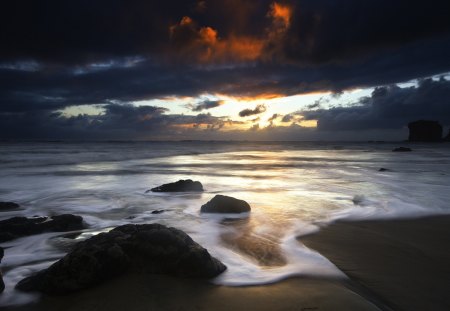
<point x="225" y="204"/>
<point x="187" y="185"/>
<point x="17" y="227"/>
<point x="150" y="248"/>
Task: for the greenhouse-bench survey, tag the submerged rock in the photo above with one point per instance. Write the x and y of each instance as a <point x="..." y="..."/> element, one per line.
<point x="180" y="186"/>
<point x="402" y="149"/>
<point x="382" y="169"/>
<point x="225" y="204"/>
<point x="2" y="284"/>
<point x="425" y="131"/>
<point x="17" y="227"/>
<point x="8" y="206"/>
<point x="150" y="248"/>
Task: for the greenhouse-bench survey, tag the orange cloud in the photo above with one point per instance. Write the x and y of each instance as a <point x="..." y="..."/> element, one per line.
<point x="281" y="13"/>
<point x="205" y="44"/>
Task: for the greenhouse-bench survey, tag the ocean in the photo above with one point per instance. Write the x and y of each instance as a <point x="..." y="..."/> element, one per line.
<point x="292" y="187"/>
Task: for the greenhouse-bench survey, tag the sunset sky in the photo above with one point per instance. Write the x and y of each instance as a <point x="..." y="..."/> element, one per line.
<point x="220" y="70"/>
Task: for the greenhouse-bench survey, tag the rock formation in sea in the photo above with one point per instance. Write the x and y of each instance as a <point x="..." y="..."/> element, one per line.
<point x="17" y="227"/>
<point x="149" y="248"/>
<point x="180" y="186"/>
<point x="8" y="206"/>
<point x="225" y="204"/>
<point x="425" y="131"/>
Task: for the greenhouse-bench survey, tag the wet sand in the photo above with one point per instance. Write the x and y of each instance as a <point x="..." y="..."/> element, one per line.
<point x="403" y="263"/>
<point x="140" y="292"/>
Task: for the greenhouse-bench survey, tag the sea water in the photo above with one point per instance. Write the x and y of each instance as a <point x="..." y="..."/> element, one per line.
<point x="292" y="187"/>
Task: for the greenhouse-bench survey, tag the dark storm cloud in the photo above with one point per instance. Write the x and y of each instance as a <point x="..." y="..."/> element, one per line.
<point x="389" y="107"/>
<point x="117" y="122"/>
<point x="205" y="105"/>
<point x="340" y="31"/>
<point x="57" y="54"/>
<point x="250" y="112"/>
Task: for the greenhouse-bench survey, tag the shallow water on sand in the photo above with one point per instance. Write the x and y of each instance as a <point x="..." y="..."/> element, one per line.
<point x="290" y="186"/>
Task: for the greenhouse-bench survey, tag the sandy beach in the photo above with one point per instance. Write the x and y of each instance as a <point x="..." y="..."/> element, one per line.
<point x="391" y="265"/>
<point x="403" y="263"/>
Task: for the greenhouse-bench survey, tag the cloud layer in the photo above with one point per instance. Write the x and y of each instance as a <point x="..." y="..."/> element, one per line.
<point x="58" y="54"/>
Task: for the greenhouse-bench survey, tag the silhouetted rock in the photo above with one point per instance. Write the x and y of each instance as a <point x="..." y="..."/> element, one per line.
<point x="425" y="131"/>
<point x="8" y="206"/>
<point x="402" y="149"/>
<point x="225" y="204"/>
<point x="2" y="284"/>
<point x="383" y="170"/>
<point x="150" y="248"/>
<point x="180" y="186"/>
<point x="16" y="227"/>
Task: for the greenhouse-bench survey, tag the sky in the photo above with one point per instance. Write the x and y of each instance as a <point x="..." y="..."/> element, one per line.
<point x="222" y="70"/>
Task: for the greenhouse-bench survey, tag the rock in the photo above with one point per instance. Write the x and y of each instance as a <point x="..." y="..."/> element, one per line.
<point x="425" y="131"/>
<point x="225" y="204"/>
<point x="180" y="186"/>
<point x="160" y="211"/>
<point x="149" y="248"/>
<point x="16" y="227"/>
<point x="382" y="169"/>
<point x="8" y="206"/>
<point x="2" y="284"/>
<point x="402" y="149"/>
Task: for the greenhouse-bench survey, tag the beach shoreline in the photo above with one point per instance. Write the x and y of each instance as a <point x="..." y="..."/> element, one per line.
<point x="402" y="262"/>
<point x="391" y="265"/>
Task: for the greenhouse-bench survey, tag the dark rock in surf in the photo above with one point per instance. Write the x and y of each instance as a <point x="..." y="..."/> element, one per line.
<point x="382" y="169"/>
<point x="17" y="227"/>
<point x="425" y="131"/>
<point x="402" y="149"/>
<point x="225" y="204"/>
<point x="159" y="211"/>
<point x="150" y="248"/>
<point x="8" y="206"/>
<point x="180" y="186"/>
<point x="2" y="284"/>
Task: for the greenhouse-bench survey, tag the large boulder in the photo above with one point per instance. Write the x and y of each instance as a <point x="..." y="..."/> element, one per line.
<point x="150" y="248"/>
<point x="225" y="204"/>
<point x="8" y="206"/>
<point x="16" y="227"/>
<point x="2" y="284"/>
<point x="180" y="186"/>
<point x="425" y="131"/>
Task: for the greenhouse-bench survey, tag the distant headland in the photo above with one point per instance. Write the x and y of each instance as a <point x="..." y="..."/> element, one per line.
<point x="426" y="131"/>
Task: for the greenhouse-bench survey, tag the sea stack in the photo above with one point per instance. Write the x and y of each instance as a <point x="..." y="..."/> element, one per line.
<point x="425" y="131"/>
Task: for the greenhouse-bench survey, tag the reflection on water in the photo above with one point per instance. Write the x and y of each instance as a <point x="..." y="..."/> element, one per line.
<point x="289" y="187"/>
